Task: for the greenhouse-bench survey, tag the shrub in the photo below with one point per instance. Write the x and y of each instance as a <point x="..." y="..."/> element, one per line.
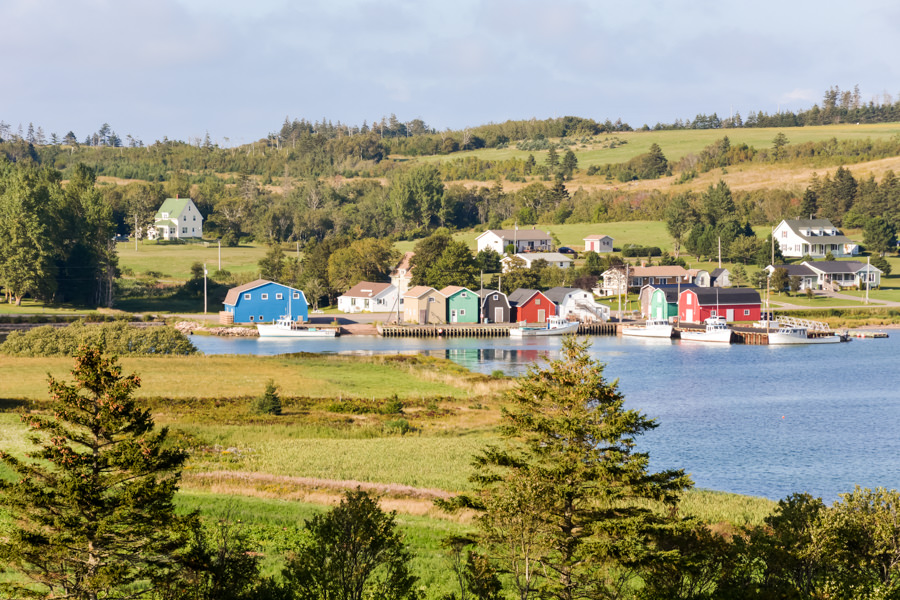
<point x="270" y="402"/>
<point x="118" y="338"/>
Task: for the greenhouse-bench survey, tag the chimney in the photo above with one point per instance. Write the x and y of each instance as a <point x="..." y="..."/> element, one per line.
<point x="643" y="263"/>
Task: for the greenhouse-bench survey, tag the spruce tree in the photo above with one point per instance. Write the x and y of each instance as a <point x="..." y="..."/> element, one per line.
<point x="91" y="509"/>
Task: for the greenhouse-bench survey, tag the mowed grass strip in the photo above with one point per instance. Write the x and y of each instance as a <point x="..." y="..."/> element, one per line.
<point x="224" y="376"/>
<point x="174" y="260"/>
<point x="439" y="462"/>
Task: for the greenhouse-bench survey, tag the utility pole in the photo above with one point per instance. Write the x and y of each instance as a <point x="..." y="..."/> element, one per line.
<point x="220" y="254"/>
<point x="204" y="288"/>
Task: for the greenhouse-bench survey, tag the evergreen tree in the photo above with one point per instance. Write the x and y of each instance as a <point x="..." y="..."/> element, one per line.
<point x="352" y="552"/>
<point x="569" y="464"/>
<point x="809" y="204"/>
<point x="92" y="508"/>
<point x="270" y="402"/>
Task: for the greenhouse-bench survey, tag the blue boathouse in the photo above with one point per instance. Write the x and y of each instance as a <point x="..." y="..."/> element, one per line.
<point x="265" y="301"/>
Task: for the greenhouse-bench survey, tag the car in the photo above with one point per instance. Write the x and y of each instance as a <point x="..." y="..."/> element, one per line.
<point x="120" y="238"/>
<point x="567" y="250"/>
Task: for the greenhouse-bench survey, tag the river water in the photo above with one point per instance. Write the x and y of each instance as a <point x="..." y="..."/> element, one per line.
<point x="759" y="420"/>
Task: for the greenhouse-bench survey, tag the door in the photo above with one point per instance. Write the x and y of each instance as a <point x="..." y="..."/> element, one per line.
<point x="541" y="316"/>
<point x="453" y="317"/>
<point x="689" y="315"/>
<point x="423" y="316"/>
<point x="729" y="315"/>
<point x="498" y="314"/>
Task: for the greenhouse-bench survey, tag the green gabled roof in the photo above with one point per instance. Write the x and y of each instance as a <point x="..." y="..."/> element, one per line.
<point x="173" y="206"/>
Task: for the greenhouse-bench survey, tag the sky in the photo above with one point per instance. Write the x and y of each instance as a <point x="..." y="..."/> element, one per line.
<point x="236" y="68"/>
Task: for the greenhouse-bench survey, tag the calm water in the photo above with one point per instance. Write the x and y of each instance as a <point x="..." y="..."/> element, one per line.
<point x="760" y="420"/>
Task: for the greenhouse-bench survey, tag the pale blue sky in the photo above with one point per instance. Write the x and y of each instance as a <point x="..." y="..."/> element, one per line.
<point x="180" y="68"/>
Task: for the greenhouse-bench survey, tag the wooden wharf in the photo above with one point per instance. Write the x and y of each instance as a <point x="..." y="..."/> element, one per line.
<point x="479" y="330"/>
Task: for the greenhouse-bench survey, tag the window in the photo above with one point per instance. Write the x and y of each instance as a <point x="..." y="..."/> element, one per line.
<point x="264" y="296"/>
<point x="713" y="313"/>
<point x="165" y="215"/>
<point x="195" y="217"/>
<point x="746" y="312"/>
<point x="784" y="233"/>
<point x="246" y="296"/>
<point x="260" y="317"/>
<point x="279" y="296"/>
<point x="463" y="295"/>
<point x="689" y="299"/>
<point x="296" y="295"/>
<point x="496" y="296"/>
<point x="184" y="230"/>
<point x="431" y="299"/>
<point x="251" y="318"/>
<point x="462" y="312"/>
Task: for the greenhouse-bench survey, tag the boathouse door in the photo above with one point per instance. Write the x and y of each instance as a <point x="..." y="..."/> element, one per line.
<point x="498" y="314"/>
<point x="689" y="315"/>
<point x="542" y="316"/>
<point x="729" y="315"/>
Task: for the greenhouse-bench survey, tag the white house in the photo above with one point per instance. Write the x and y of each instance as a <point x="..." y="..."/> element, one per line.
<point x="524" y="240"/>
<point x="177" y="218"/>
<point x="367" y="296"/>
<point x="808" y="277"/>
<point x="813" y="237"/>
<point x="553" y="258"/>
<point x="578" y="304"/>
<point x="598" y="243"/>
<point x="836" y="274"/>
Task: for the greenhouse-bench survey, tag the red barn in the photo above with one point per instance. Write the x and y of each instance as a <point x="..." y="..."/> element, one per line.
<point x="735" y="304"/>
<point x="531" y="306"/>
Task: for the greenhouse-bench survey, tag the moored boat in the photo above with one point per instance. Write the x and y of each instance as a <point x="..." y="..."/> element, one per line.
<point x="789" y="335"/>
<point x="554" y="326"/>
<point x="655" y="328"/>
<point x="716" y="330"/>
<point x="285" y="328"/>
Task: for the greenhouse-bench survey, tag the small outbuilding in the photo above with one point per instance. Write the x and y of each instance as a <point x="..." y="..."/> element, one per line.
<point x="531" y="306"/>
<point x="424" y="305"/>
<point x="463" y="305"/>
<point x="735" y="304"/>
<point x="598" y="243"/>
<point x="495" y="306"/>
<point x="368" y="296"/>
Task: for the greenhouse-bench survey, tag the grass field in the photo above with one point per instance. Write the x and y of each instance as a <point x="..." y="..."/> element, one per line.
<point x="174" y="260"/>
<point x="677" y="144"/>
<point x="223" y="376"/>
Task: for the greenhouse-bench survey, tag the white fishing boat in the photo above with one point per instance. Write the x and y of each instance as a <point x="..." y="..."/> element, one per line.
<point x="655" y="328"/>
<point x="793" y="334"/>
<point x="554" y="326"/>
<point x="286" y="328"/>
<point x="716" y="330"/>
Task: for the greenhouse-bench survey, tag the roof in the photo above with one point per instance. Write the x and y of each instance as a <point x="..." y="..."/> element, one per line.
<point x="558" y="294"/>
<point x="521" y="296"/>
<point x="796" y="224"/>
<point x="173" y="206"/>
<point x="454" y="289"/>
<point x="418" y="291"/>
<point x="710" y="296"/>
<point x="166" y="222"/>
<point x="839" y="266"/>
<point x="798" y="270"/>
<point x="716" y="272"/>
<point x="672" y="291"/>
<point x="366" y="289"/>
<point x="596" y="236"/>
<point x="404" y="264"/>
<point x="518" y="234"/>
<point x="234" y="293"/>
<point x="548" y="256"/>
<point x="484" y="293"/>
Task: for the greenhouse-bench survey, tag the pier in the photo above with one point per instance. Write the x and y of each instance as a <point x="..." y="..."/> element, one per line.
<point x="475" y="330"/>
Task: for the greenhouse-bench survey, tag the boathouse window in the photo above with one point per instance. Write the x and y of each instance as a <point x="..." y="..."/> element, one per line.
<point x="296" y="295"/>
<point x="537" y="301"/>
<point x="279" y="296"/>
<point x="462" y="312"/>
<point x="260" y="317"/>
<point x="746" y="312"/>
<point x="246" y="296"/>
<point x="264" y="296"/>
<point x="688" y="301"/>
<point x="496" y="297"/>
<point x="431" y="299"/>
<point x="463" y="295"/>
<point x="713" y="313"/>
<point x="251" y="318"/>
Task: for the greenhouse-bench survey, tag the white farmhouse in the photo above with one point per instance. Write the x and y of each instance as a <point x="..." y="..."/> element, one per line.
<point x="177" y="218"/>
<point x="813" y="237"/>
<point x="524" y="240"/>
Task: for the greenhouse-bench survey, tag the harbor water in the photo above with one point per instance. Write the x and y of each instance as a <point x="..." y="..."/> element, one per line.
<point x="759" y="420"/>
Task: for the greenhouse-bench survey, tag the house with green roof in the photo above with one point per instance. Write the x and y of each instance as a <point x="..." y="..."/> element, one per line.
<point x="177" y="218"/>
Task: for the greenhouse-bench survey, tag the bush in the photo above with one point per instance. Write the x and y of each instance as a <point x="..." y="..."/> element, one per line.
<point x="118" y="338"/>
<point x="397" y="426"/>
<point x="270" y="402"/>
<point x="635" y="251"/>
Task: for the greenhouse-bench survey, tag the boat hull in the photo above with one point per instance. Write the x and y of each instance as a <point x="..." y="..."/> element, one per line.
<point x="789" y="339"/>
<point x="274" y="331"/>
<point x="717" y="337"/>
<point x="650" y="332"/>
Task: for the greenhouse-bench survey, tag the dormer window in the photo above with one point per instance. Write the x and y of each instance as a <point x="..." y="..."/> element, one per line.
<point x="165" y="215"/>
